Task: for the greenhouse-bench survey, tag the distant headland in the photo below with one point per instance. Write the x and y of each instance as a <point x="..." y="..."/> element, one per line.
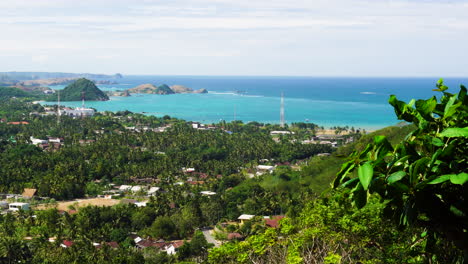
<point x="32" y="79"/>
<point x="83" y="82"/>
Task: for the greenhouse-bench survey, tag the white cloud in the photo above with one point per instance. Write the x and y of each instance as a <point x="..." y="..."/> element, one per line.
<point x="242" y="32"/>
<point x="39" y="58"/>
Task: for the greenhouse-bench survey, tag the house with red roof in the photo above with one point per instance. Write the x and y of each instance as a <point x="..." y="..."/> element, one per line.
<point x="66" y="243"/>
<point x="273" y="221"/>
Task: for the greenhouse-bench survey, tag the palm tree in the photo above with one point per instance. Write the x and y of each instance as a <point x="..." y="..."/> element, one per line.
<point x="13" y="250"/>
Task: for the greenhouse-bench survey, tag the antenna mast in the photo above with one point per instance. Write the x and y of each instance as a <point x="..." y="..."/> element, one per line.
<point x="58" y="107"/>
<point x="282" y="110"/>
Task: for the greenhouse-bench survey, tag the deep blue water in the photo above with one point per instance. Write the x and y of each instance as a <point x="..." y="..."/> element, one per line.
<point x="359" y="102"/>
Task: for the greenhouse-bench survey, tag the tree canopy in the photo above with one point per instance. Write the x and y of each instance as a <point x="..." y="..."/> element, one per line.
<point x="422" y="180"/>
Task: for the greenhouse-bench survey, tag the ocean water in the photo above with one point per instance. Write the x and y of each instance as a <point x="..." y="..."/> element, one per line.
<point x="358" y="102"/>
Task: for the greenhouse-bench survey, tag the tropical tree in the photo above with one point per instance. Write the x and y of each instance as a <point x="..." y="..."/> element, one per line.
<point x="422" y="180"/>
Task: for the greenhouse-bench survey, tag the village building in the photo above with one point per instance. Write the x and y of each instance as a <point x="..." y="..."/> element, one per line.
<point x="188" y="170"/>
<point x="141" y="204"/>
<point x="77" y="112"/>
<point x="244" y="218"/>
<point x="281" y="133"/>
<point x="153" y="190"/>
<point x="49" y="91"/>
<point x="262" y="169"/>
<point x="55" y="140"/>
<point x="125" y="188"/>
<point x="273" y="221"/>
<point x="18" y="123"/>
<point x="207" y="193"/>
<point x="66" y="243"/>
<point x="173" y="247"/>
<point x="18" y="206"/>
<point x="136" y="188"/>
<point x="29" y="193"/>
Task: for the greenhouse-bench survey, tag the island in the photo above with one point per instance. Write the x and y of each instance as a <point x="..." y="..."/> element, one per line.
<point x="163" y="89"/>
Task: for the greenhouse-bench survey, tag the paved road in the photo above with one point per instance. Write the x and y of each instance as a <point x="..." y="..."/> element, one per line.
<point x="210" y="238"/>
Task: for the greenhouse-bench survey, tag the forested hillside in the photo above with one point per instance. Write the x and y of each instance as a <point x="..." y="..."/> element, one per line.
<point x="8" y="92"/>
<point x="81" y="88"/>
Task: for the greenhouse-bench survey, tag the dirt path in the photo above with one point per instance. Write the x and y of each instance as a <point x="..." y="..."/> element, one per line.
<point x="210" y="239"/>
<point x="79" y="203"/>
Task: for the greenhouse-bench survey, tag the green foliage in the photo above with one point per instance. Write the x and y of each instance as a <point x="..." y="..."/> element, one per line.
<point x="329" y="231"/>
<point x="164" y="89"/>
<point x="163" y="227"/>
<point x="9" y="92"/>
<point x="75" y="91"/>
<point x="422" y="179"/>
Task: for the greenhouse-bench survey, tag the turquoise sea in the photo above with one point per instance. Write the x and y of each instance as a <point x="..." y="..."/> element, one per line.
<point x="358" y="102"/>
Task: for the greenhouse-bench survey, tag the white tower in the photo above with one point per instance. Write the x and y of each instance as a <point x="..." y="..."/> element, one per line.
<point x="282" y="110"/>
<point x="58" y="106"/>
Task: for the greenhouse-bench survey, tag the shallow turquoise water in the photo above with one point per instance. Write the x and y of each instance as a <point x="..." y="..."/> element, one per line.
<point x="358" y="102"/>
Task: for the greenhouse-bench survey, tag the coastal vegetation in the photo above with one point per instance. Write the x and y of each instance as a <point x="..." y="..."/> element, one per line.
<point x="8" y="92"/>
<point x="81" y="89"/>
<point x="396" y="195"/>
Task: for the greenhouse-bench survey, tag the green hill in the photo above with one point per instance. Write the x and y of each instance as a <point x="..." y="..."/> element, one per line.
<point x="164" y="89"/>
<point x="74" y="91"/>
<point x="8" y="92"/>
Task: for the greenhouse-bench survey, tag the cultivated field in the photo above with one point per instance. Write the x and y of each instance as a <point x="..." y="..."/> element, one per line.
<point x="79" y="203"/>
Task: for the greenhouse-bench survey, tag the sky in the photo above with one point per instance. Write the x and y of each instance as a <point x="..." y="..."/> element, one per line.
<point x="370" y="38"/>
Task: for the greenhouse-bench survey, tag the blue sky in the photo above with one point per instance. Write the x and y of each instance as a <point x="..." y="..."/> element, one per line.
<point x="241" y="37"/>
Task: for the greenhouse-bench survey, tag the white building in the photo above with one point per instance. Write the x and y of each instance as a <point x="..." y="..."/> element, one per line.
<point x="138" y="188"/>
<point x="55" y="140"/>
<point x="125" y="188"/>
<point x="141" y="204"/>
<point x="18" y="206"/>
<point x="245" y="217"/>
<point x="281" y="133"/>
<point x="49" y="92"/>
<point x="37" y="141"/>
<point x="153" y="190"/>
<point x="208" y="193"/>
<point x="78" y="112"/>
<point x="188" y="170"/>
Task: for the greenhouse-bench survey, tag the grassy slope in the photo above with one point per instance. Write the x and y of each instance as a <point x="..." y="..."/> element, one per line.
<point x="321" y="171"/>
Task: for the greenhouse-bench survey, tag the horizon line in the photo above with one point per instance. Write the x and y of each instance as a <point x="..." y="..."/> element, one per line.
<point x="250" y="75"/>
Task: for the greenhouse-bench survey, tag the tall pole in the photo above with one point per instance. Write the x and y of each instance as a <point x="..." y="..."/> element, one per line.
<point x="282" y="110"/>
<point x="58" y="106"/>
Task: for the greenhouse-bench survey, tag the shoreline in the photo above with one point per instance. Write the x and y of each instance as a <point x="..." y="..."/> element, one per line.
<point x="327" y="126"/>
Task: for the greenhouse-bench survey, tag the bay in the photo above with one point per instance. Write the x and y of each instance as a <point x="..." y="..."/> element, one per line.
<point x="358" y="102"/>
